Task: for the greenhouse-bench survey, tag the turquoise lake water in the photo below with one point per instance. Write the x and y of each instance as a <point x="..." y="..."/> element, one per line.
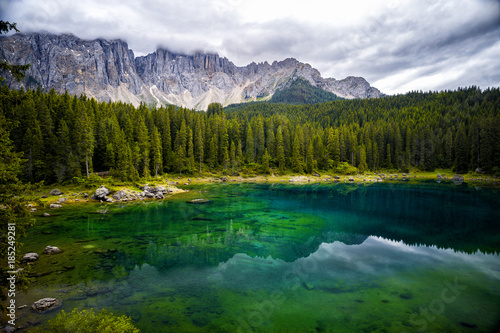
<point x="280" y="258"/>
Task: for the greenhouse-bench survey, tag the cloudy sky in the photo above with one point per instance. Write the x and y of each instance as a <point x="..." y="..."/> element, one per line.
<point x="397" y="46"/>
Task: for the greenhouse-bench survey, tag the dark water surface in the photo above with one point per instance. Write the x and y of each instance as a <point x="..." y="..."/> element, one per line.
<point x="280" y="258"/>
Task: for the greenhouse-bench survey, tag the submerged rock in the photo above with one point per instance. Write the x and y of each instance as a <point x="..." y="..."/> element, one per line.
<point x="199" y="201"/>
<point x="46" y="214"/>
<point x="9" y="329"/>
<point x="406" y="295"/>
<point x="464" y="324"/>
<point x="308" y="286"/>
<point x="30" y="257"/>
<point x="46" y="304"/>
<point x="52" y="250"/>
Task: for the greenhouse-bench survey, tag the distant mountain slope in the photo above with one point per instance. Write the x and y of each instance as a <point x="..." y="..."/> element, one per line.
<point x="301" y="91"/>
<point x="108" y="70"/>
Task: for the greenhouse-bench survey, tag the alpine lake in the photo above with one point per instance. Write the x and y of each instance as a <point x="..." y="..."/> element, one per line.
<point x="261" y="257"/>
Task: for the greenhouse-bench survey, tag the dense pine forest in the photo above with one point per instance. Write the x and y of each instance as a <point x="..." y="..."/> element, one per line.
<point x="62" y="136"/>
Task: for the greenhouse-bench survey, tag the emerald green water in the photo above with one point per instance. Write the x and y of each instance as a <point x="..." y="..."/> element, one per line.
<point x="280" y="258"/>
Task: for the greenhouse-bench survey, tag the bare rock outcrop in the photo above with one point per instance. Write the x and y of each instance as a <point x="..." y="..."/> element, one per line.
<point x="108" y="70"/>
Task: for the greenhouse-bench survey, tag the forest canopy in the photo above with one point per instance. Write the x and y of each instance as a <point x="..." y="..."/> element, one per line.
<point x="63" y="136"/>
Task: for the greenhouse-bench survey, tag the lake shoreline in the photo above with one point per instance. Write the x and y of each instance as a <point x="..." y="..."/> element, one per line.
<point x="75" y="195"/>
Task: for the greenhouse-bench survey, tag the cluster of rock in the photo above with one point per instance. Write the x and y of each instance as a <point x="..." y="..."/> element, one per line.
<point x="33" y="256"/>
<point x="108" y="70"/>
<point x="148" y="192"/>
<point x="457" y="179"/>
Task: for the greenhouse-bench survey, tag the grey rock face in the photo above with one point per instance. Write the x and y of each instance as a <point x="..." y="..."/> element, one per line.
<point x="108" y="70"/>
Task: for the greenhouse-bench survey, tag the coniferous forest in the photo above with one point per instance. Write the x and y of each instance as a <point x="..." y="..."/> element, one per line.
<point x="62" y="136"/>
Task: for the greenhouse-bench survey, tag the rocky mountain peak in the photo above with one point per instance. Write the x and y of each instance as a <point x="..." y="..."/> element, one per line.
<point x="108" y="70"/>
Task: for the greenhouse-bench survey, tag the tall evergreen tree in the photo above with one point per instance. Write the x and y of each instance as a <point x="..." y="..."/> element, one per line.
<point x="461" y="150"/>
<point x="250" y="146"/>
<point x="280" y="150"/>
<point x="296" y="161"/>
<point x="156" y="149"/>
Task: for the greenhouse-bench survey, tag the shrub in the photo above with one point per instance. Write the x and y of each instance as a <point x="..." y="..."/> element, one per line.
<point x="345" y="169"/>
<point x="88" y="321"/>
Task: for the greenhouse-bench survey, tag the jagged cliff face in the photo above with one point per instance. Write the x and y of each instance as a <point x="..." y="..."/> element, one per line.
<point x="108" y="70"/>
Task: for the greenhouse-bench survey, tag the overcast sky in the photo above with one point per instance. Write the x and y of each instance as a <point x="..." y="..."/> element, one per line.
<point x="398" y="46"/>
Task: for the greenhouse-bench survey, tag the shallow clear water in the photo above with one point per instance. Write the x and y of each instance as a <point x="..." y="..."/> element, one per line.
<point x="281" y="258"/>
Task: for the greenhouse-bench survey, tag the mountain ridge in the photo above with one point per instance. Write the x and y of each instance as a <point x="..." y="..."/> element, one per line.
<point x="109" y="70"/>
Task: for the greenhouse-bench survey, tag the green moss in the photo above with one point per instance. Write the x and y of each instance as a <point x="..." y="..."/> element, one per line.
<point x="90" y="321"/>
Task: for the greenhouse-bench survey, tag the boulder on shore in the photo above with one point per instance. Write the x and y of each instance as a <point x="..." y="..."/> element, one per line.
<point x="458" y="179"/>
<point x="119" y="195"/>
<point x="55" y="192"/>
<point x="52" y="250"/>
<point x="46" y="304"/>
<point x="55" y="206"/>
<point x="101" y="193"/>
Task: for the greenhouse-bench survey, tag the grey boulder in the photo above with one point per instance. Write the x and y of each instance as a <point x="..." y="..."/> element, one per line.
<point x="46" y="304"/>
<point x="52" y="250"/>
<point x="30" y="257"/>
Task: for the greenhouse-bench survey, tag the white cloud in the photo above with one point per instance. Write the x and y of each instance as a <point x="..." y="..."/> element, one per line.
<point x="397" y="46"/>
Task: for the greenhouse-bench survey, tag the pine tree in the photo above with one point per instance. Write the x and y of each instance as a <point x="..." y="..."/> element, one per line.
<point x="190" y="151"/>
<point x="166" y="139"/>
<point x="232" y="156"/>
<point x="199" y="141"/>
<point x="362" y="166"/>
<point x="398" y="149"/>
<point x="448" y="148"/>
<point x="461" y="151"/>
<point x="239" y="154"/>
<point x="310" y="162"/>
<point x="156" y="149"/>
<point x="180" y="147"/>
<point x="250" y="146"/>
<point x="265" y="162"/>
<point x="388" y="157"/>
<point x="296" y="161"/>
<point x="212" y="153"/>
<point x="223" y="146"/>
<point x="87" y="140"/>
<point x="260" y="139"/>
<point x="280" y="150"/>
<point x="270" y="139"/>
